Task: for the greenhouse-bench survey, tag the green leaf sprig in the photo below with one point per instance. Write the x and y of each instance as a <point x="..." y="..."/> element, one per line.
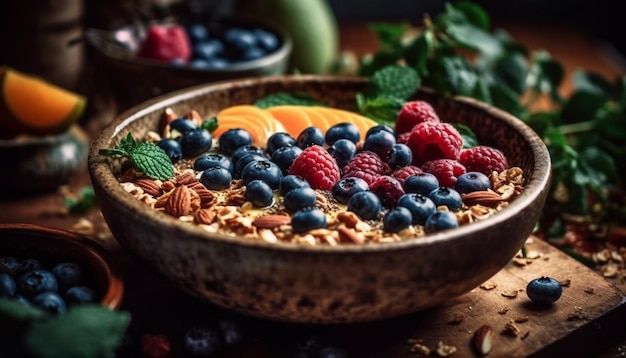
<point x="147" y="157"/>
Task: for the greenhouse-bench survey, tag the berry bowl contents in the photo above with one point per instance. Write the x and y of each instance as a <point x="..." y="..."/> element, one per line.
<point x="55" y="269"/>
<point x="316" y="213"/>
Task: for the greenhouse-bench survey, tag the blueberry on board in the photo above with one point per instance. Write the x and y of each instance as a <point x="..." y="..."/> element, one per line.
<point x="440" y="220"/>
<point x="68" y="274"/>
<point x="400" y="155"/>
<point x="279" y="140"/>
<point x="266" y="39"/>
<point x="348" y="186"/>
<point x="202" y="341"/>
<point x="397" y="219"/>
<point x="290" y="182"/>
<point x="216" y="178"/>
<point x="232" y="139"/>
<point x="420" y="206"/>
<point x="265" y="170"/>
<point x="343" y="130"/>
<point x="308" y="219"/>
<point x="544" y="290"/>
<point x="447" y="197"/>
<point x="208" y="160"/>
<point x="51" y="302"/>
<point x="29" y="264"/>
<point x="422" y="183"/>
<point x="366" y="205"/>
<point x="378" y="128"/>
<point x="196" y="142"/>
<point x="9" y="265"/>
<point x="79" y="294"/>
<point x="7" y="285"/>
<point x="172" y="148"/>
<point x="310" y="136"/>
<point x="343" y="150"/>
<point x="259" y="193"/>
<point x="284" y="157"/>
<point x="182" y="126"/>
<point x="299" y="198"/>
<point x="379" y="143"/>
<point x="37" y="281"/>
<point x="472" y="181"/>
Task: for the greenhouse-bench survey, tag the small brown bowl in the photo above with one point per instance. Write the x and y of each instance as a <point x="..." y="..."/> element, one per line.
<point x="55" y="245"/>
<point x="322" y="284"/>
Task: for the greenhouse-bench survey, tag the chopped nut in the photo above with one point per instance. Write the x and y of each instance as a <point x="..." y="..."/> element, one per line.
<point x="482" y="197"/>
<point x="483" y="340"/>
<point x="521" y="319"/>
<point x="488" y="285"/>
<point x="444" y="350"/>
<point x="610" y="271"/>
<point x="525" y="335"/>
<point x="457" y="318"/>
<point x="271" y="221"/>
<point x="566" y="282"/>
<point x="589" y="289"/>
<point x="511" y="328"/>
<point x="510" y="293"/>
<point x="504" y="310"/>
<point x="416" y="346"/>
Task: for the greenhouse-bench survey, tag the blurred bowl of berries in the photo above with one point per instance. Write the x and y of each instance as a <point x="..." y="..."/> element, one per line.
<point x="144" y="60"/>
<point x="56" y="269"/>
<point x="304" y="218"/>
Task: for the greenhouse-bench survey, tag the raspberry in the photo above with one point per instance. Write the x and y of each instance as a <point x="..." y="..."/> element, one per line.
<point x="365" y="165"/>
<point x="317" y="167"/>
<point x="405" y="172"/>
<point x="403" y="138"/>
<point x="446" y="171"/>
<point x="483" y="159"/>
<point x="155" y="346"/>
<point x="166" y="43"/>
<point x="430" y="141"/>
<point x="413" y="113"/>
<point x="388" y="189"/>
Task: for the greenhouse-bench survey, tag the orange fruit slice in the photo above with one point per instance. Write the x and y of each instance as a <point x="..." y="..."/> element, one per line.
<point x="318" y="119"/>
<point x="293" y="119"/>
<point x="258" y="133"/>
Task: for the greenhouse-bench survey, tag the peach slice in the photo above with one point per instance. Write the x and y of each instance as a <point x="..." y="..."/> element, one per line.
<point x="293" y="119"/>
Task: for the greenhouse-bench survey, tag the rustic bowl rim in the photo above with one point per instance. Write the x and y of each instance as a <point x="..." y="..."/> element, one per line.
<point x="99" y="256"/>
<point x="102" y="175"/>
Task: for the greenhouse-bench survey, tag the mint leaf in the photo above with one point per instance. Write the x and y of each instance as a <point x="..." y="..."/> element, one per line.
<point x="469" y="137"/>
<point x="151" y="160"/>
<point x="84" y="331"/>
<point x="382" y="109"/>
<point x="210" y="124"/>
<point x="283" y="98"/>
<point x="127" y="144"/>
<point x="474" y="14"/>
<point x="395" y="81"/>
<point x="80" y="204"/>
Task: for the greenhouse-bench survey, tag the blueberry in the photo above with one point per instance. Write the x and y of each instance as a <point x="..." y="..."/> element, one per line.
<point x="310" y="136"/>
<point x="239" y="38"/>
<point x="348" y="186"/>
<point x="400" y="155"/>
<point x="7" y="285"/>
<point x="216" y="178"/>
<point x="79" y="294"/>
<point x="290" y="182"/>
<point x="232" y="332"/>
<point x="29" y="264"/>
<point x="245" y="160"/>
<point x="422" y="183"/>
<point x="279" y="140"/>
<point x="252" y="53"/>
<point x="472" y="181"/>
<point x="209" y="64"/>
<point x="308" y="219"/>
<point x="51" y="302"/>
<point x="9" y="265"/>
<point x="232" y="139"/>
<point x="172" y="148"/>
<point x="397" y="219"/>
<point x="544" y="290"/>
<point x="266" y="39"/>
<point x="344" y="130"/>
<point x="202" y="341"/>
<point x="299" y="198"/>
<point x="378" y="128"/>
<point x="213" y="160"/>
<point x="264" y="170"/>
<point x="180" y="126"/>
<point x="379" y="143"/>
<point x="245" y="150"/>
<point x="441" y="220"/>
<point x="197" y="32"/>
<point x="259" y="193"/>
<point x="343" y="150"/>
<point x="208" y="49"/>
<point x="35" y="282"/>
<point x="366" y="205"/>
<point x="68" y="274"/>
<point x="196" y="142"/>
<point x="447" y="197"/>
<point x="420" y="206"/>
<point x="284" y="157"/>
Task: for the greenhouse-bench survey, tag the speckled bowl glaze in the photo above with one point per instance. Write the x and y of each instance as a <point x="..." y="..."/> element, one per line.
<point x="322" y="284"/>
<point x="55" y="245"/>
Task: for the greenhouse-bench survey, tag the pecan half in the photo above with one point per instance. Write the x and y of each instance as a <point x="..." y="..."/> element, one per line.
<point x="271" y="221"/>
<point x="179" y="202"/>
<point x="482" y="197"/>
<point x="149" y="186"/>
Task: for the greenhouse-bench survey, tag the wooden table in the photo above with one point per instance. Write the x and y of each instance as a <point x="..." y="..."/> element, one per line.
<point x="587" y="320"/>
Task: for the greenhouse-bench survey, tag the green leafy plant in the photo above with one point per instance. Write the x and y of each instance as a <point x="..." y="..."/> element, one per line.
<point x="457" y="53"/>
<point x="147" y="157"/>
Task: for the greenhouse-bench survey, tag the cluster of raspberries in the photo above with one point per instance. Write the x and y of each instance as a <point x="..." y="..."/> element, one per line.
<point x="436" y="146"/>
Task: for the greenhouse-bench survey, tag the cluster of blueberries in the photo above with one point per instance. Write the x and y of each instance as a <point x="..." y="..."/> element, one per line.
<point x="50" y="287"/>
<point x="220" y="49"/>
<point x="264" y="172"/>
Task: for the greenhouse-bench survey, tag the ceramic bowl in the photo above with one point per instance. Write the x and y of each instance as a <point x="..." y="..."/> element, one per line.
<point x="134" y="79"/>
<point x="322" y="284"/>
<point x="55" y="245"/>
